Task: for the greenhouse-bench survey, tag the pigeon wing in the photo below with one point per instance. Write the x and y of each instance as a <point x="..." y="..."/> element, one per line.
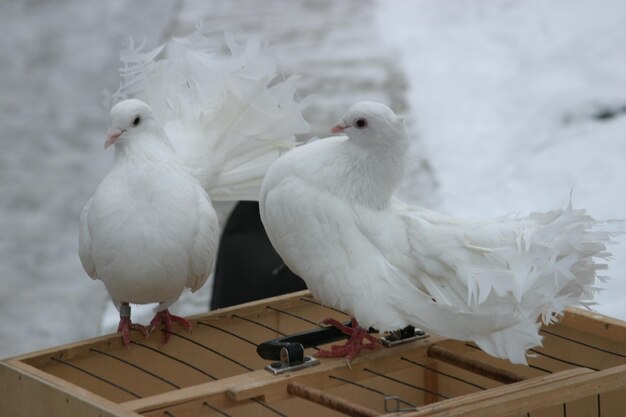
<point x="84" y="242"/>
<point x="355" y="259"/>
<point x="204" y="245"/>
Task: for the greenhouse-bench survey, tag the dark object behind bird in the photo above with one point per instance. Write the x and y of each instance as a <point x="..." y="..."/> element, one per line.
<point x="248" y="268"/>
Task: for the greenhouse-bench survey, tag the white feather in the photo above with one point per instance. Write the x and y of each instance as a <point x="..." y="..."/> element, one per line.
<point x="223" y="105"/>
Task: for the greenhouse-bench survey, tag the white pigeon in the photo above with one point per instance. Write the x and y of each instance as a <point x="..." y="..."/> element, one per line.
<point x="207" y="129"/>
<point x="329" y="211"/>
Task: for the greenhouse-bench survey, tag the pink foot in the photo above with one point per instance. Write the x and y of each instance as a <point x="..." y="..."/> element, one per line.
<point x="126" y="326"/>
<point x="353" y="346"/>
<point x="165" y="317"/>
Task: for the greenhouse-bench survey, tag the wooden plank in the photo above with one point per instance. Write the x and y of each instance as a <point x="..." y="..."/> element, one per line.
<point x="253" y="307"/>
<point x="42" y="357"/>
<point x="535" y="398"/>
<point x="595" y="324"/>
<point x="578" y="383"/>
<point x="431" y="382"/>
<point x="469" y="351"/>
<point x="278" y="385"/>
<point x="196" y="392"/>
<point x="610" y="403"/>
<point x="573" y="348"/>
<point x="28" y="392"/>
<point x="473" y="365"/>
<point x="262" y="383"/>
<point x="478" y="398"/>
<point x="331" y="401"/>
<point x="220" y="405"/>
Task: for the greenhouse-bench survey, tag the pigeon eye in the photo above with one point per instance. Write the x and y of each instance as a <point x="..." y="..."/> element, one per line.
<point x="360" y="123"/>
<point x="137" y="121"/>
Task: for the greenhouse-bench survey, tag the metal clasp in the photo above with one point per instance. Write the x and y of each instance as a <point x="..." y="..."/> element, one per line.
<point x="406" y="335"/>
<point x="291" y="358"/>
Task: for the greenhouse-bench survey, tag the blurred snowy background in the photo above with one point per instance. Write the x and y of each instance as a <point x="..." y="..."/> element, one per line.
<point x="511" y="104"/>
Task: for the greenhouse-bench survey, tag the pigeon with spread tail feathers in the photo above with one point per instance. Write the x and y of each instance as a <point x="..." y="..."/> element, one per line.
<point x="202" y="125"/>
<point x="329" y="211"/>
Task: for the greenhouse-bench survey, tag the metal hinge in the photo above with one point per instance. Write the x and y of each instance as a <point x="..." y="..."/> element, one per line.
<point x="406" y="335"/>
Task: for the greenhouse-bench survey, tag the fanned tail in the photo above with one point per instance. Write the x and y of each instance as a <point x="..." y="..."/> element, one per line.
<point x="513" y="342"/>
<point x="551" y="264"/>
<point x="222" y="104"/>
<point x="531" y="267"/>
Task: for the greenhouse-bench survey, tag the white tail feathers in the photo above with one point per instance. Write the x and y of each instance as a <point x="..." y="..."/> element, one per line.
<point x="222" y="106"/>
<point x="531" y="267"/>
<point x="512" y="342"/>
<point x="550" y="267"/>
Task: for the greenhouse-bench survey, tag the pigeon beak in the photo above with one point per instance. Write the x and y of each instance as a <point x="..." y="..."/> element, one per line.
<point x="338" y="128"/>
<point x="113" y="137"/>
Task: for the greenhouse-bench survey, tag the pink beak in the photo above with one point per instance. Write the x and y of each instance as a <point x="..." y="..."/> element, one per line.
<point x="338" y="128"/>
<point x="113" y="137"/>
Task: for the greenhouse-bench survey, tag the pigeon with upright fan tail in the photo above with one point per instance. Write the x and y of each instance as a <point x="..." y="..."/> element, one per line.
<point x="202" y="125"/>
<point x="329" y="211"/>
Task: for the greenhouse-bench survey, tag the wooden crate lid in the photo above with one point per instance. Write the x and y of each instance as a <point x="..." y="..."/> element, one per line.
<point x="214" y="370"/>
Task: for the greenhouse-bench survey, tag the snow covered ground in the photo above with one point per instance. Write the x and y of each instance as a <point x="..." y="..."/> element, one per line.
<point x="515" y="103"/>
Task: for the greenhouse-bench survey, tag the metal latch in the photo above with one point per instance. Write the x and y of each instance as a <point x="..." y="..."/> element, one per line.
<point x="291" y="358"/>
<point x="289" y="350"/>
<point x="398" y="337"/>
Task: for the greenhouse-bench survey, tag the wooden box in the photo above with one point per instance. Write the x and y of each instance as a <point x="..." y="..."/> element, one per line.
<point x="215" y="371"/>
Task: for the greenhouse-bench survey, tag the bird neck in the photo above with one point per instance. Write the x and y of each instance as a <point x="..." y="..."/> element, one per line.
<point x="152" y="145"/>
<point x="378" y="169"/>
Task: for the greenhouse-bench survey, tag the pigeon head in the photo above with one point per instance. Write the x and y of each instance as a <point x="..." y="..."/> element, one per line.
<point x="370" y="122"/>
<point x="129" y="118"/>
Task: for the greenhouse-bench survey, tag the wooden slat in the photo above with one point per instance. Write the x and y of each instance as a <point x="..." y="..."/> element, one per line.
<point x="26" y="392"/>
<point x="515" y="399"/>
<point x="480" y="397"/>
<point x="42" y="357"/>
<point x="331" y="401"/>
<point x="258" y="306"/>
<point x="481" y="368"/>
<point x="236" y="391"/>
<point x="196" y="392"/>
<point x="382" y="357"/>
<point x="264" y="384"/>
<point x="431" y="382"/>
<point x="471" y="352"/>
<point x="595" y="324"/>
<point x="554" y="394"/>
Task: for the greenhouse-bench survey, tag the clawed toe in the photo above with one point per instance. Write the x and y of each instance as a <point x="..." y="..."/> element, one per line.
<point x="168" y="319"/>
<point x="126" y="325"/>
<point x="353" y="346"/>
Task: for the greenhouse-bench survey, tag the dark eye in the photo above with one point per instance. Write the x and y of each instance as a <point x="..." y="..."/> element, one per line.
<point x="136" y="121"/>
<point x="360" y="123"/>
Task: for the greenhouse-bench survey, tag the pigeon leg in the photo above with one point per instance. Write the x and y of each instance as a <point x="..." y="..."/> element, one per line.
<point x="168" y="319"/>
<point x="126" y="325"/>
<point x="353" y="346"/>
